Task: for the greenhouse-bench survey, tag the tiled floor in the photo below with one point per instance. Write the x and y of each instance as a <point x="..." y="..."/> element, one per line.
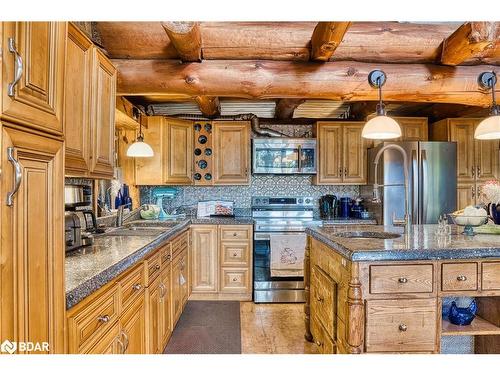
<point x="273" y="329"/>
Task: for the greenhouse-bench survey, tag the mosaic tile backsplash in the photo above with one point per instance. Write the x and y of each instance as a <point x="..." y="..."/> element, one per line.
<point x="271" y="185"/>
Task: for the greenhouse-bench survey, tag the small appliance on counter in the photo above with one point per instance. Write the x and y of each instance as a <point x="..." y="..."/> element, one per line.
<point x="72" y="231"/>
<point x="345" y="207"/>
<point x="218" y="208"/>
<point x="328" y="207"/>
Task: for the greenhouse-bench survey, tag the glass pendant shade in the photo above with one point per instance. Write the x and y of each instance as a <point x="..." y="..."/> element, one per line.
<point x="489" y="128"/>
<point x="140" y="149"/>
<point x="381" y="127"/>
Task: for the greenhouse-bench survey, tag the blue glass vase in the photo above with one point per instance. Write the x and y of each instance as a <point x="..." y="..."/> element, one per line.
<point x="462" y="316"/>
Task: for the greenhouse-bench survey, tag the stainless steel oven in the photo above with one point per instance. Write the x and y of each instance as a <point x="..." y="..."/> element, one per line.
<point x="284" y="156"/>
<point x="279" y="219"/>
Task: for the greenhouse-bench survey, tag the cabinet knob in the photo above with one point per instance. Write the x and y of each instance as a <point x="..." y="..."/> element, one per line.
<point x="103" y="318"/>
<point x="319" y="343"/>
<point x="403" y="280"/>
<point x="403" y="327"/>
<point x="462" y="278"/>
<point x="235" y="234"/>
<point x="235" y="255"/>
<point x="137" y="287"/>
<point x="157" y="267"/>
<point x="235" y="279"/>
<point x="319" y="299"/>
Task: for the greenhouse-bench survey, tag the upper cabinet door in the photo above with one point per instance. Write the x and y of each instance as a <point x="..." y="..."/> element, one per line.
<point x="462" y="132"/>
<point x="354" y="153"/>
<point x="178" y="162"/>
<point x="103" y="116"/>
<point x="149" y="171"/>
<point x="487" y="159"/>
<point x="231" y="152"/>
<point x="77" y="102"/>
<point x="329" y="141"/>
<point x="33" y="74"/>
<point x="413" y="128"/>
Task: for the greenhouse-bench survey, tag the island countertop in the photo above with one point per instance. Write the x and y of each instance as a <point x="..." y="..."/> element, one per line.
<point x="422" y="244"/>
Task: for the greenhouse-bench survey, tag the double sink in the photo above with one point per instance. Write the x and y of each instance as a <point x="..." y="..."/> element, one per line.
<point x="142" y="228"/>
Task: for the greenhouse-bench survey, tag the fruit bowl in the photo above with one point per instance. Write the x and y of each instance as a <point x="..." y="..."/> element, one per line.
<point x="468" y="222"/>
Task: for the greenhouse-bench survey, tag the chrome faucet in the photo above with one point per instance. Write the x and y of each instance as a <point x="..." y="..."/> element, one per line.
<point x="119" y="216"/>
<point x="407" y="222"/>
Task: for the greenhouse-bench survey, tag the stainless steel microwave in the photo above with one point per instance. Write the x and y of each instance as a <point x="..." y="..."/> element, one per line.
<point x="284" y="156"/>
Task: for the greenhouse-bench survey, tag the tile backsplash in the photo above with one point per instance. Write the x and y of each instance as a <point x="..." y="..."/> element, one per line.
<point x="271" y="185"/>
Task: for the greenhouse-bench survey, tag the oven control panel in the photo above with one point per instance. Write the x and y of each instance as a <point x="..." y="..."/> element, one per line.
<point x="282" y="201"/>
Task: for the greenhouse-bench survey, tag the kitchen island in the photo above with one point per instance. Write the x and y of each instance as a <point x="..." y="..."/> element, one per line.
<point x="366" y="292"/>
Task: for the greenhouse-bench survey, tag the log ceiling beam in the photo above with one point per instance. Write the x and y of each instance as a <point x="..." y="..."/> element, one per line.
<point x="286" y="107"/>
<point x="326" y="38"/>
<point x="470" y="41"/>
<point x="186" y="38"/>
<point x="340" y="80"/>
<point x="209" y="105"/>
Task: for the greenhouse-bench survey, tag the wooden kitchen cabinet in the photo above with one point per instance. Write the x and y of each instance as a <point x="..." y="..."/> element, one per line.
<point x="231" y="152"/>
<point x="32" y="306"/>
<point x="103" y="116"/>
<point x="204" y="259"/>
<point x="110" y="343"/>
<point x="477" y="161"/>
<point x="133" y="328"/>
<point x="77" y="92"/>
<point x="172" y="143"/>
<point x="413" y="128"/>
<point x="33" y="74"/>
<point x="341" y="153"/>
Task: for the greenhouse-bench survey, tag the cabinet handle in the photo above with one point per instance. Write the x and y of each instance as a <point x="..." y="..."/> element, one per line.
<point x="462" y="278"/>
<point x="18" y="67"/>
<point x="345" y="172"/>
<point x="473" y="170"/>
<point x="17" y="175"/>
<point x="137" y="287"/>
<point x="163" y="290"/>
<point x="121" y="344"/>
<point x="126" y="341"/>
<point x="403" y="280"/>
<point x="473" y="191"/>
<point x="403" y="327"/>
<point x="478" y="171"/>
<point x="340" y="171"/>
<point x="103" y="318"/>
<point x="319" y="298"/>
<point x="319" y="343"/>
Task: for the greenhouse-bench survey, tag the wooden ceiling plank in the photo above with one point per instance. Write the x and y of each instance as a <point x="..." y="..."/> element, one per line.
<point x="286" y="107"/>
<point x="470" y="41"/>
<point x="326" y="38"/>
<point x="340" y="80"/>
<point x="186" y="38"/>
<point x="209" y="105"/>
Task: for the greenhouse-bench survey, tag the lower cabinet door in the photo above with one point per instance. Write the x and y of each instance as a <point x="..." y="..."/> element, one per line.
<point x="154" y="316"/>
<point x="183" y="278"/>
<point x="133" y="328"/>
<point x="176" y="292"/>
<point x="165" y="316"/>
<point x="110" y="343"/>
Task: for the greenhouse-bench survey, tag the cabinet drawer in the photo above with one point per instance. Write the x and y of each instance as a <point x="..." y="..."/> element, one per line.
<point x="401" y="325"/>
<point x="235" y="253"/>
<point x="153" y="265"/>
<point x="235" y="280"/>
<point x="323" y="299"/>
<point x="321" y="338"/>
<point x="165" y="255"/>
<point x="395" y="279"/>
<point x="180" y="243"/>
<point x="458" y="276"/>
<point x="235" y="232"/>
<point x="491" y="276"/>
<point x="92" y="319"/>
<point x="108" y="344"/>
<point x="131" y="286"/>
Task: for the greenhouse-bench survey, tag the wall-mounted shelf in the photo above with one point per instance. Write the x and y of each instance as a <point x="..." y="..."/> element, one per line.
<point x="478" y="327"/>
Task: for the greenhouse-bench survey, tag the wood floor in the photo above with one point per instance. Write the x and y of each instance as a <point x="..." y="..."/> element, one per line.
<point x="273" y="329"/>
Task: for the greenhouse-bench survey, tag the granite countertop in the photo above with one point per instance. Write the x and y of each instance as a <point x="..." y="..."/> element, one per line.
<point x="422" y="244"/>
<point x="90" y="268"/>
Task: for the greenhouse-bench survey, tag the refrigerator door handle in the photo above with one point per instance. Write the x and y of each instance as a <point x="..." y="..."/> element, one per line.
<point x="424" y="178"/>
<point x="414" y="176"/>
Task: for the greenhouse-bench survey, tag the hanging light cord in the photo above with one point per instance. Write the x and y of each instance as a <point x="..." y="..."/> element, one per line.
<point x="140" y="137"/>
<point x="494" y="107"/>
<point x="380" y="105"/>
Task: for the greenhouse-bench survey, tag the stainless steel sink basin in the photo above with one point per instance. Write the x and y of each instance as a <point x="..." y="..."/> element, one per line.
<point x="128" y="232"/>
<point x="151" y="224"/>
<point x="365" y="235"/>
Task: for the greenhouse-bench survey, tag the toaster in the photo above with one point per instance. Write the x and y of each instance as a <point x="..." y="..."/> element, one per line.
<point x="72" y="231"/>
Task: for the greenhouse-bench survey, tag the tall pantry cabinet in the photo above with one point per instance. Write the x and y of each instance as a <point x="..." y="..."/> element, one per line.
<point x="32" y="306"/>
<point x="477" y="161"/>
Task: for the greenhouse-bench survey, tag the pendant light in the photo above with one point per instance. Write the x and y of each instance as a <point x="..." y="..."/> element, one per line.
<point x="381" y="126"/>
<point x="489" y="128"/>
<point x="140" y="149"/>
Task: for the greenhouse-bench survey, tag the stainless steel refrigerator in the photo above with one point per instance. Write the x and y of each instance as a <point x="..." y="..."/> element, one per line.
<point x="432" y="168"/>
